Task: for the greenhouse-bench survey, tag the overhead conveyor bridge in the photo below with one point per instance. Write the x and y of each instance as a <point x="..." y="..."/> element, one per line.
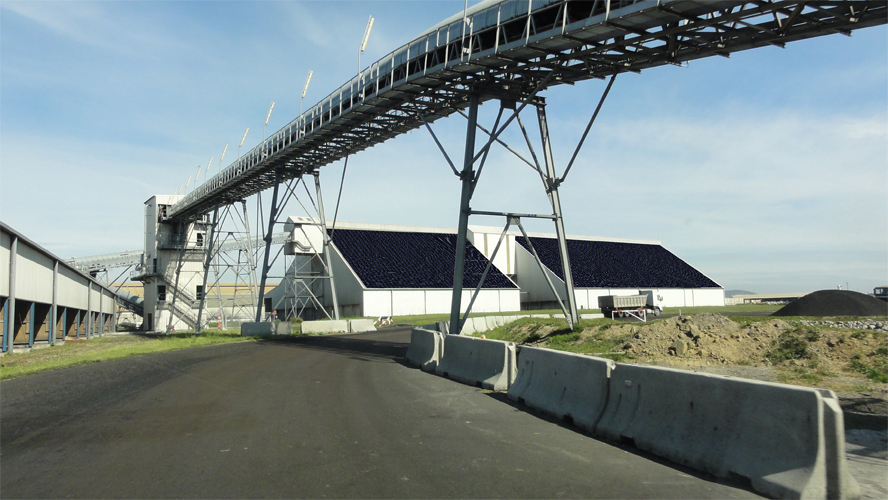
<point x="129" y="258"/>
<point x="510" y="50"/>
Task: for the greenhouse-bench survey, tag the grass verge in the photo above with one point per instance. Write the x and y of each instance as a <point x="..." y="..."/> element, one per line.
<point x="590" y="336"/>
<point x="77" y="352"/>
<point x="725" y="310"/>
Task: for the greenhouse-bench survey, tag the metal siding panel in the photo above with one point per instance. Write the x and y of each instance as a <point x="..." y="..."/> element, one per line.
<point x="109" y="304"/>
<point x="510" y="300"/>
<point x="33" y="274"/>
<point x="377" y="303"/>
<point x="531" y="280"/>
<point x="581" y="295"/>
<point x="438" y="301"/>
<point x="408" y="302"/>
<point x="593" y="294"/>
<point x="487" y="301"/>
<point x="709" y="296"/>
<point x="5" y="244"/>
<point x="348" y="287"/>
<point x="672" y="297"/>
<point x="72" y="289"/>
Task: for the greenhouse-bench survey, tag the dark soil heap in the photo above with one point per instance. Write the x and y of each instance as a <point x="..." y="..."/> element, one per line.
<point x="834" y="303"/>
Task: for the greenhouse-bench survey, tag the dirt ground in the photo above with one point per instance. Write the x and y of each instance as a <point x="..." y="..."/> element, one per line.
<point x="782" y="350"/>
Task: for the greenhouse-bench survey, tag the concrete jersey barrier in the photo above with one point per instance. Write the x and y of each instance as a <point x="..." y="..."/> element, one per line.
<point x="425" y="349"/>
<point x="488" y="363"/>
<point x="328" y="326"/>
<point x="787" y="440"/>
<point x="361" y="325"/>
<point x="265" y="328"/>
<point x="569" y="386"/>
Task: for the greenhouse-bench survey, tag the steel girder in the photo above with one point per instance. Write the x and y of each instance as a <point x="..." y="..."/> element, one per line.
<point x="565" y="41"/>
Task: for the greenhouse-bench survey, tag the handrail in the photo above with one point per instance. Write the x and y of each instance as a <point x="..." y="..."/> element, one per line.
<point x="316" y="112"/>
<point x="595" y="35"/>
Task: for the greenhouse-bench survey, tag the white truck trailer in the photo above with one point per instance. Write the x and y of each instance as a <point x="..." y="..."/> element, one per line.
<point x="629" y="305"/>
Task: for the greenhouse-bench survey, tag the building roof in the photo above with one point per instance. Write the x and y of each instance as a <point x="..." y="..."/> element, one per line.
<point x="404" y="259"/>
<point x="609" y="264"/>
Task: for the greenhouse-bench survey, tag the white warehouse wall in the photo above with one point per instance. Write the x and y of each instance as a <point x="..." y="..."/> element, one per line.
<point x="5" y="244"/>
<point x="71" y="289"/>
<point x="349" y="290"/>
<point x="401" y="302"/>
<point x="485" y="240"/>
<point x="36" y="279"/>
<point x="531" y="280"/>
<point x="33" y="271"/>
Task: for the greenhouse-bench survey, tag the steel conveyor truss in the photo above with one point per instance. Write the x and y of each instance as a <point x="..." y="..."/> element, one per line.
<point x="505" y="50"/>
<point x="510" y="51"/>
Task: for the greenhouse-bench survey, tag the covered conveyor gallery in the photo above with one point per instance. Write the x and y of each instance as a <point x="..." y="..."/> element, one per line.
<point x="44" y="300"/>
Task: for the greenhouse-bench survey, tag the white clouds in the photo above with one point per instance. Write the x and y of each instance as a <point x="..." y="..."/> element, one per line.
<point x="93" y="24"/>
<point x="758" y="167"/>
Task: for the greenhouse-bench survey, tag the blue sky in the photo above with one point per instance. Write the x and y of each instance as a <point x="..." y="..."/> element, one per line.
<point x="767" y="171"/>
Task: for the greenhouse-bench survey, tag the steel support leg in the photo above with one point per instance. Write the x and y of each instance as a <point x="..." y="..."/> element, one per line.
<point x="89" y="310"/>
<point x="467" y="178"/>
<point x="9" y="323"/>
<point x="53" y="323"/>
<point x="206" y="269"/>
<point x="272" y="215"/>
<point x="251" y="260"/>
<point x="31" y="325"/>
<point x="552" y="191"/>
<point x="327" y="243"/>
<point x="487" y="269"/>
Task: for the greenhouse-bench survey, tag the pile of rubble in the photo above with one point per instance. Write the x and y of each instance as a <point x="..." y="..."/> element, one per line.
<point x="835" y="303"/>
<point x="706" y="338"/>
<point x="867" y="324"/>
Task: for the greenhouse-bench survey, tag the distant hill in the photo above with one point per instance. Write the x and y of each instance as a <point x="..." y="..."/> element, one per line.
<point x="731" y="293"/>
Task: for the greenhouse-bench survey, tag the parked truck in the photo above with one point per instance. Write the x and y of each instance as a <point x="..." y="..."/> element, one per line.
<point x="629" y="305"/>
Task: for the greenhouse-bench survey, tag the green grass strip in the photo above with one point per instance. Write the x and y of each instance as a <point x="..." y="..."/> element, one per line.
<point x="95" y="350"/>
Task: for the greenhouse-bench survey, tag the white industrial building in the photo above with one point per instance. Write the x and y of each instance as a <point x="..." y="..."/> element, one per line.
<point x="171" y="297"/>
<point x="43" y="299"/>
<point x="600" y="266"/>
<point x="383" y="270"/>
<point x="392" y="270"/>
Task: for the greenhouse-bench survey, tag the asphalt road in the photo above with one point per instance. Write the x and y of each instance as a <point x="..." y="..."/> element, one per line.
<point x="312" y="417"/>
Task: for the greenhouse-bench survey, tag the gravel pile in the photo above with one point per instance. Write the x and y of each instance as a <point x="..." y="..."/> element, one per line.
<point x="835" y="303"/>
<point x="868" y="324"/>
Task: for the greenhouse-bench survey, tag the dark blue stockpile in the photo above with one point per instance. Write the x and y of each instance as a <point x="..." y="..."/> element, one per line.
<point x="393" y="259"/>
<point x="607" y="264"/>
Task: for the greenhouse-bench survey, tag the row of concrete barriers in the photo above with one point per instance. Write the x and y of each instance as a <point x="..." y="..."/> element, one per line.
<point x="312" y="327"/>
<point x="786" y="441"/>
<point x="480" y="324"/>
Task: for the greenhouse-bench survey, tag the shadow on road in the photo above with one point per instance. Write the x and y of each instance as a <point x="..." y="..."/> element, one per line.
<point x="627" y="446"/>
<point x="357" y="347"/>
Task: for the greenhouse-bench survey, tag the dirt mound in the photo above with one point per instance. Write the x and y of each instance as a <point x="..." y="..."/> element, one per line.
<point x="707" y="340"/>
<point x="834" y="303"/>
<point x="704" y="338"/>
